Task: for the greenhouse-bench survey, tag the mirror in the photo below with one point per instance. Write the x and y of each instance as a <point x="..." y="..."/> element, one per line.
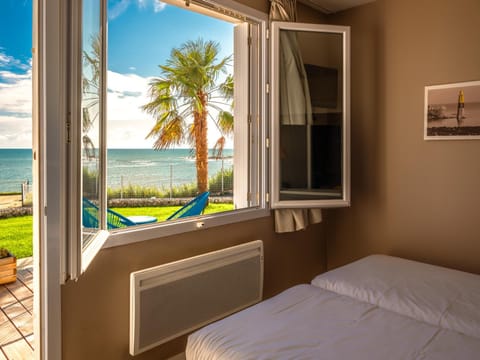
<point x="310" y="115"/>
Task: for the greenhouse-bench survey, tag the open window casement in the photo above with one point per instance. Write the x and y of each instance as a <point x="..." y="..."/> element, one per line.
<point x="310" y="115"/>
<point x="309" y="128"/>
<point x="88" y="225"/>
<point x="86" y="128"/>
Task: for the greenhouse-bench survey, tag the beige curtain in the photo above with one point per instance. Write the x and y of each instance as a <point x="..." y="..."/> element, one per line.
<point x="295" y="105"/>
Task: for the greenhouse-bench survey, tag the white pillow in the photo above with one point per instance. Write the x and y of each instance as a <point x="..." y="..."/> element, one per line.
<point x="433" y="294"/>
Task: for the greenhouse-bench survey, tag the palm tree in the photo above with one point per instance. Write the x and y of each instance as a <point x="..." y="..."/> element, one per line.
<point x="91" y="93"/>
<point x="183" y="98"/>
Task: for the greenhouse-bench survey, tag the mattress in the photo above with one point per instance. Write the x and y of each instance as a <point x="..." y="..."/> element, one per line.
<point x="439" y="296"/>
<point x="344" y="314"/>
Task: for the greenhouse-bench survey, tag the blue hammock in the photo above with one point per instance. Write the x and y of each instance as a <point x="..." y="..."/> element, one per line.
<point x="194" y="207"/>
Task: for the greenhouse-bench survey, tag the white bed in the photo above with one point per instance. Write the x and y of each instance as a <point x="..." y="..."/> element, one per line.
<point x="379" y="307"/>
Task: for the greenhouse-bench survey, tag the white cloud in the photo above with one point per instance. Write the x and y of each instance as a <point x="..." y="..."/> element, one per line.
<point x="158" y="5"/>
<point x="120" y="7"/>
<point x="16" y="93"/>
<point x="15" y="103"/>
<point x="15" y="132"/>
<point x="128" y="124"/>
<point x="7" y="61"/>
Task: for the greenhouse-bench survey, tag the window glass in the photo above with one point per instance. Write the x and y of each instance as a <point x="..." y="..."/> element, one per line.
<point x="173" y="144"/>
<point x="310" y="116"/>
<point x="169" y="130"/>
<point x="91" y="118"/>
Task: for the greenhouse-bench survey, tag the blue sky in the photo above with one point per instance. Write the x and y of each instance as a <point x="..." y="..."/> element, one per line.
<point x="141" y="34"/>
<point x="16" y="31"/>
<point x="15" y="73"/>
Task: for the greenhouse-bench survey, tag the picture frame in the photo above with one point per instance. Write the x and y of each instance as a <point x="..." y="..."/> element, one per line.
<point x="452" y="111"/>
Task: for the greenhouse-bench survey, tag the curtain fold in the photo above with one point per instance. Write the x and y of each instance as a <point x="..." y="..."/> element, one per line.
<point x="283" y="10"/>
<point x="295" y="105"/>
<point x="289" y="220"/>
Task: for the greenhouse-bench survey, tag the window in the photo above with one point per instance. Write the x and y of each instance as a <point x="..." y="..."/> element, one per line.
<point x="310" y="116"/>
<point x="309" y="144"/>
<point x="102" y="177"/>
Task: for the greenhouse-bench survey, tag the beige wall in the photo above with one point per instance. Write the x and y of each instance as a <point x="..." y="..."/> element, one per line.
<point x="95" y="310"/>
<point x="410" y="197"/>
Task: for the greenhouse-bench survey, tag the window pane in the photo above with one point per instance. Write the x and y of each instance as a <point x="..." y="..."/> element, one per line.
<point x="171" y="114"/>
<point x="310" y="115"/>
<point x="91" y="118"/>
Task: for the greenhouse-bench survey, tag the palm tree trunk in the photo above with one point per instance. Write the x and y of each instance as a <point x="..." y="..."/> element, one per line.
<point x="201" y="146"/>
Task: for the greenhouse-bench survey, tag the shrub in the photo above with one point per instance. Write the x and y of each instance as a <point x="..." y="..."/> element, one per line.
<point x="179" y="191"/>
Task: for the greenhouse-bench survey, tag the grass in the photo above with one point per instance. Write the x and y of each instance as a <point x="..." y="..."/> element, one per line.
<point x="163" y="212"/>
<point x="16" y="233"/>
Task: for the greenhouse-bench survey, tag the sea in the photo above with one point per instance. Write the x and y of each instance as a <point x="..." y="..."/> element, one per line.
<point x="144" y="167"/>
<point x="471" y="115"/>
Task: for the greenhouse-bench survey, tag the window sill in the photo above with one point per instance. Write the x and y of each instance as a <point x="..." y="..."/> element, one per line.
<point x="139" y="233"/>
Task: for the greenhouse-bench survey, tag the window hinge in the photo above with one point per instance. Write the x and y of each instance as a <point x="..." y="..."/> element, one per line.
<point x="249" y="118"/>
<point x="267" y="197"/>
<point x="267" y="34"/>
<point x="267" y="143"/>
<point x="69" y="128"/>
<point x="267" y="88"/>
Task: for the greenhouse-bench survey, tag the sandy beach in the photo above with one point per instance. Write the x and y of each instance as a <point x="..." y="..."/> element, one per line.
<point x="10" y="201"/>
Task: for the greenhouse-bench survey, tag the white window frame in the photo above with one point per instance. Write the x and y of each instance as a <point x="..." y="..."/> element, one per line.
<point x="79" y="258"/>
<point x="49" y="164"/>
<point x="259" y="124"/>
<point x="276" y="202"/>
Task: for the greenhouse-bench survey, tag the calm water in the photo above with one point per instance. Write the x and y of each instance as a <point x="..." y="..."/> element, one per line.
<point x="471" y="113"/>
<point x="135" y="166"/>
<point x="15" y="168"/>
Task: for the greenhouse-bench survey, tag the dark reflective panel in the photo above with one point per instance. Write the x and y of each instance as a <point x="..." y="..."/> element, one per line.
<point x="310" y="115"/>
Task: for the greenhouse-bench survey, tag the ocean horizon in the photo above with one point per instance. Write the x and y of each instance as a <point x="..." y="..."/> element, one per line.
<point x="144" y="167"/>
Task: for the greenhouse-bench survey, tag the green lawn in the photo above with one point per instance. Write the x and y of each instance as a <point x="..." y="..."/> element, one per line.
<point x="16" y="233"/>
<point x="163" y="212"/>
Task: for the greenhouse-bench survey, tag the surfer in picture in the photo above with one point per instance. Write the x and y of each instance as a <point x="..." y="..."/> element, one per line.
<point x="460" y="108"/>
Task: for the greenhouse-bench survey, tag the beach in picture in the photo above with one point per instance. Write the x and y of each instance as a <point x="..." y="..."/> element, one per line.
<point x="452" y="111"/>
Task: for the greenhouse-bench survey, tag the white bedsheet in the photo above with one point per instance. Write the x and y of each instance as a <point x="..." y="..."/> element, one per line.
<point x="307" y="322"/>
<point x="439" y="296"/>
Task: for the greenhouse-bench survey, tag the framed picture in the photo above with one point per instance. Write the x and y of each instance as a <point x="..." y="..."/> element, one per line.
<point x="452" y="111"/>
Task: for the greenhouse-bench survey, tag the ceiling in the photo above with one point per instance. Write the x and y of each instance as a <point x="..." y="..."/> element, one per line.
<point x="332" y="6"/>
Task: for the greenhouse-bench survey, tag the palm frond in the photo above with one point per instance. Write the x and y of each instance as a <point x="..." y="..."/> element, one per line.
<point x="88" y="147"/>
<point x="225" y="122"/>
<point x="172" y="133"/>
<point x="226" y="88"/>
<point x="218" y="148"/>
